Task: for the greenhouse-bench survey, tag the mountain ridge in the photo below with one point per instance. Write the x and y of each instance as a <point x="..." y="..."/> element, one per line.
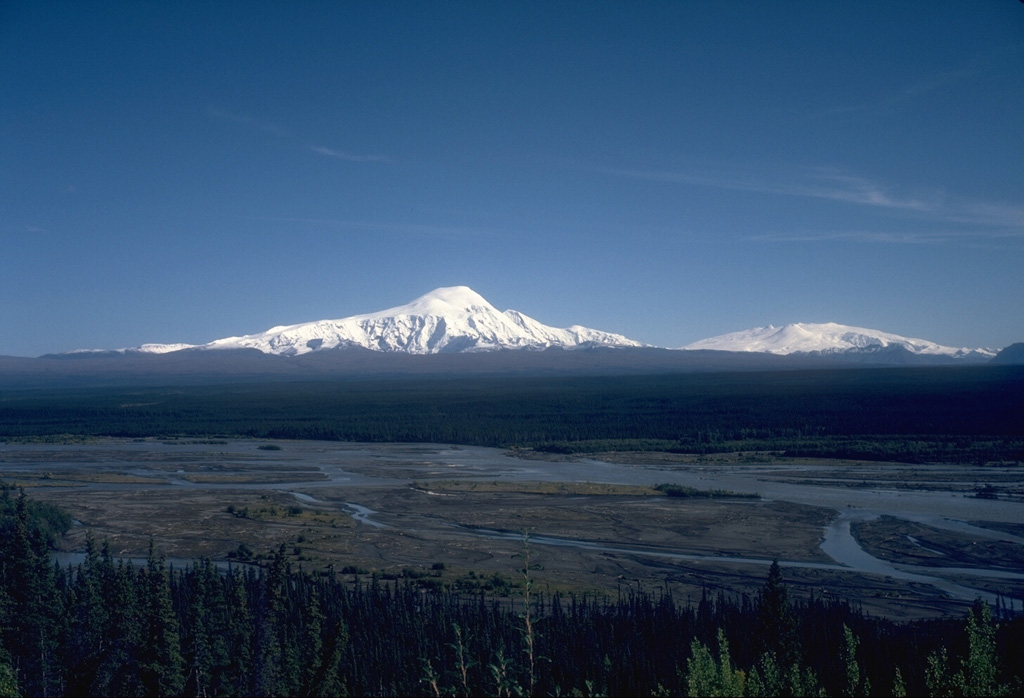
<point x="453" y="319"/>
<point x="458" y="320"/>
<point x="829" y="338"/>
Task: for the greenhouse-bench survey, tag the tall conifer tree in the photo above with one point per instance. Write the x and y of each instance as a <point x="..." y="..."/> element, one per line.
<point x="162" y="666"/>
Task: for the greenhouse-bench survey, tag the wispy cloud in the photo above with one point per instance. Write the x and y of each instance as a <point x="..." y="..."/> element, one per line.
<point x="995" y="214"/>
<point x="1004" y="219"/>
<point x="350" y="157"/>
<point x="986" y="239"/>
<point x="23" y="231"/>
<point x="819" y="183"/>
<point x="979" y="67"/>
<point x="284" y="133"/>
<point x="910" y="93"/>
<point x="826" y="183"/>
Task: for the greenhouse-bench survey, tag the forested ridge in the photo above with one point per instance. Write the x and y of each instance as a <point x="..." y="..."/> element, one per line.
<point x="107" y="627"/>
<point x="948" y="414"/>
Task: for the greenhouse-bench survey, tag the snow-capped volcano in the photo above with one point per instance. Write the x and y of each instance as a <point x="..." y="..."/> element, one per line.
<point x="452" y="319"/>
<point x="828" y="338"/>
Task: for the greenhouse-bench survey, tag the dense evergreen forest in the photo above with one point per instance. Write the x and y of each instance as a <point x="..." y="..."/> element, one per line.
<point x="950" y="414"/>
<point x="107" y="627"/>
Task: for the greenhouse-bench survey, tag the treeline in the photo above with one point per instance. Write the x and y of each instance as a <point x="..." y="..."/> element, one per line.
<point x="965" y="414"/>
<point x="106" y="627"/>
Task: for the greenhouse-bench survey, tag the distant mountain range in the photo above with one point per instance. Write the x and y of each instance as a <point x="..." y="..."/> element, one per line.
<point x="455" y="330"/>
<point x="831" y="338"/>
<point x="457" y="319"/>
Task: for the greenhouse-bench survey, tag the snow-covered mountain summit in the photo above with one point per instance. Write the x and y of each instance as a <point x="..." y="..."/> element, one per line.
<point x="451" y="319"/>
<point x="829" y="338"/>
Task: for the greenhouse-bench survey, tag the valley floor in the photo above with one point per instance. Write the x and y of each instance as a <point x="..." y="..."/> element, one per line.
<point x="903" y="541"/>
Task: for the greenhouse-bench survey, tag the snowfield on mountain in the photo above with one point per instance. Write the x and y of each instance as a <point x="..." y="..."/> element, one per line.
<point x="827" y="338"/>
<point x="446" y="320"/>
<point x="457" y="319"/>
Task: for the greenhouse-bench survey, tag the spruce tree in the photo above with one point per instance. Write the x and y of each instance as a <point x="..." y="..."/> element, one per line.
<point x="203" y="641"/>
<point x="776" y="622"/>
<point x="8" y="681"/>
<point x="88" y="618"/>
<point x="35" y="609"/>
<point x="240" y="632"/>
<point x="162" y="666"/>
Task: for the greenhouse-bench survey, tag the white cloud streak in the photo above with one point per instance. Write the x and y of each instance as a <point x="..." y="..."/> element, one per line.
<point x="934" y="83"/>
<point x="280" y="132"/>
<point x="986" y="219"/>
<point x="818" y="183"/>
<point x="931" y="237"/>
<point x="979" y="67"/>
<point x="350" y="157"/>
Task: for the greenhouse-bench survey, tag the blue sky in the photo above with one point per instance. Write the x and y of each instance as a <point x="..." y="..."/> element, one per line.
<point x="180" y="172"/>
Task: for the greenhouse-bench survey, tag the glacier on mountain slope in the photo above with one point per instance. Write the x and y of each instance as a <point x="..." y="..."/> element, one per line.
<point x="451" y="319"/>
<point x="826" y="338"/>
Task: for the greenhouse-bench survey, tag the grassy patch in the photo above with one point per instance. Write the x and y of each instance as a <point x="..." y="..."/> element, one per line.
<point x="576" y="488"/>
<point x="59" y="439"/>
<point x="60" y="479"/>
<point x="287" y="513"/>
<point x="255" y="478"/>
<point x="684" y="492"/>
<point x="552" y="488"/>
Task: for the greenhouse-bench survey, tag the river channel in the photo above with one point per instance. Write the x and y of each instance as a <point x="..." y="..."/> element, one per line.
<point x="940" y="497"/>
